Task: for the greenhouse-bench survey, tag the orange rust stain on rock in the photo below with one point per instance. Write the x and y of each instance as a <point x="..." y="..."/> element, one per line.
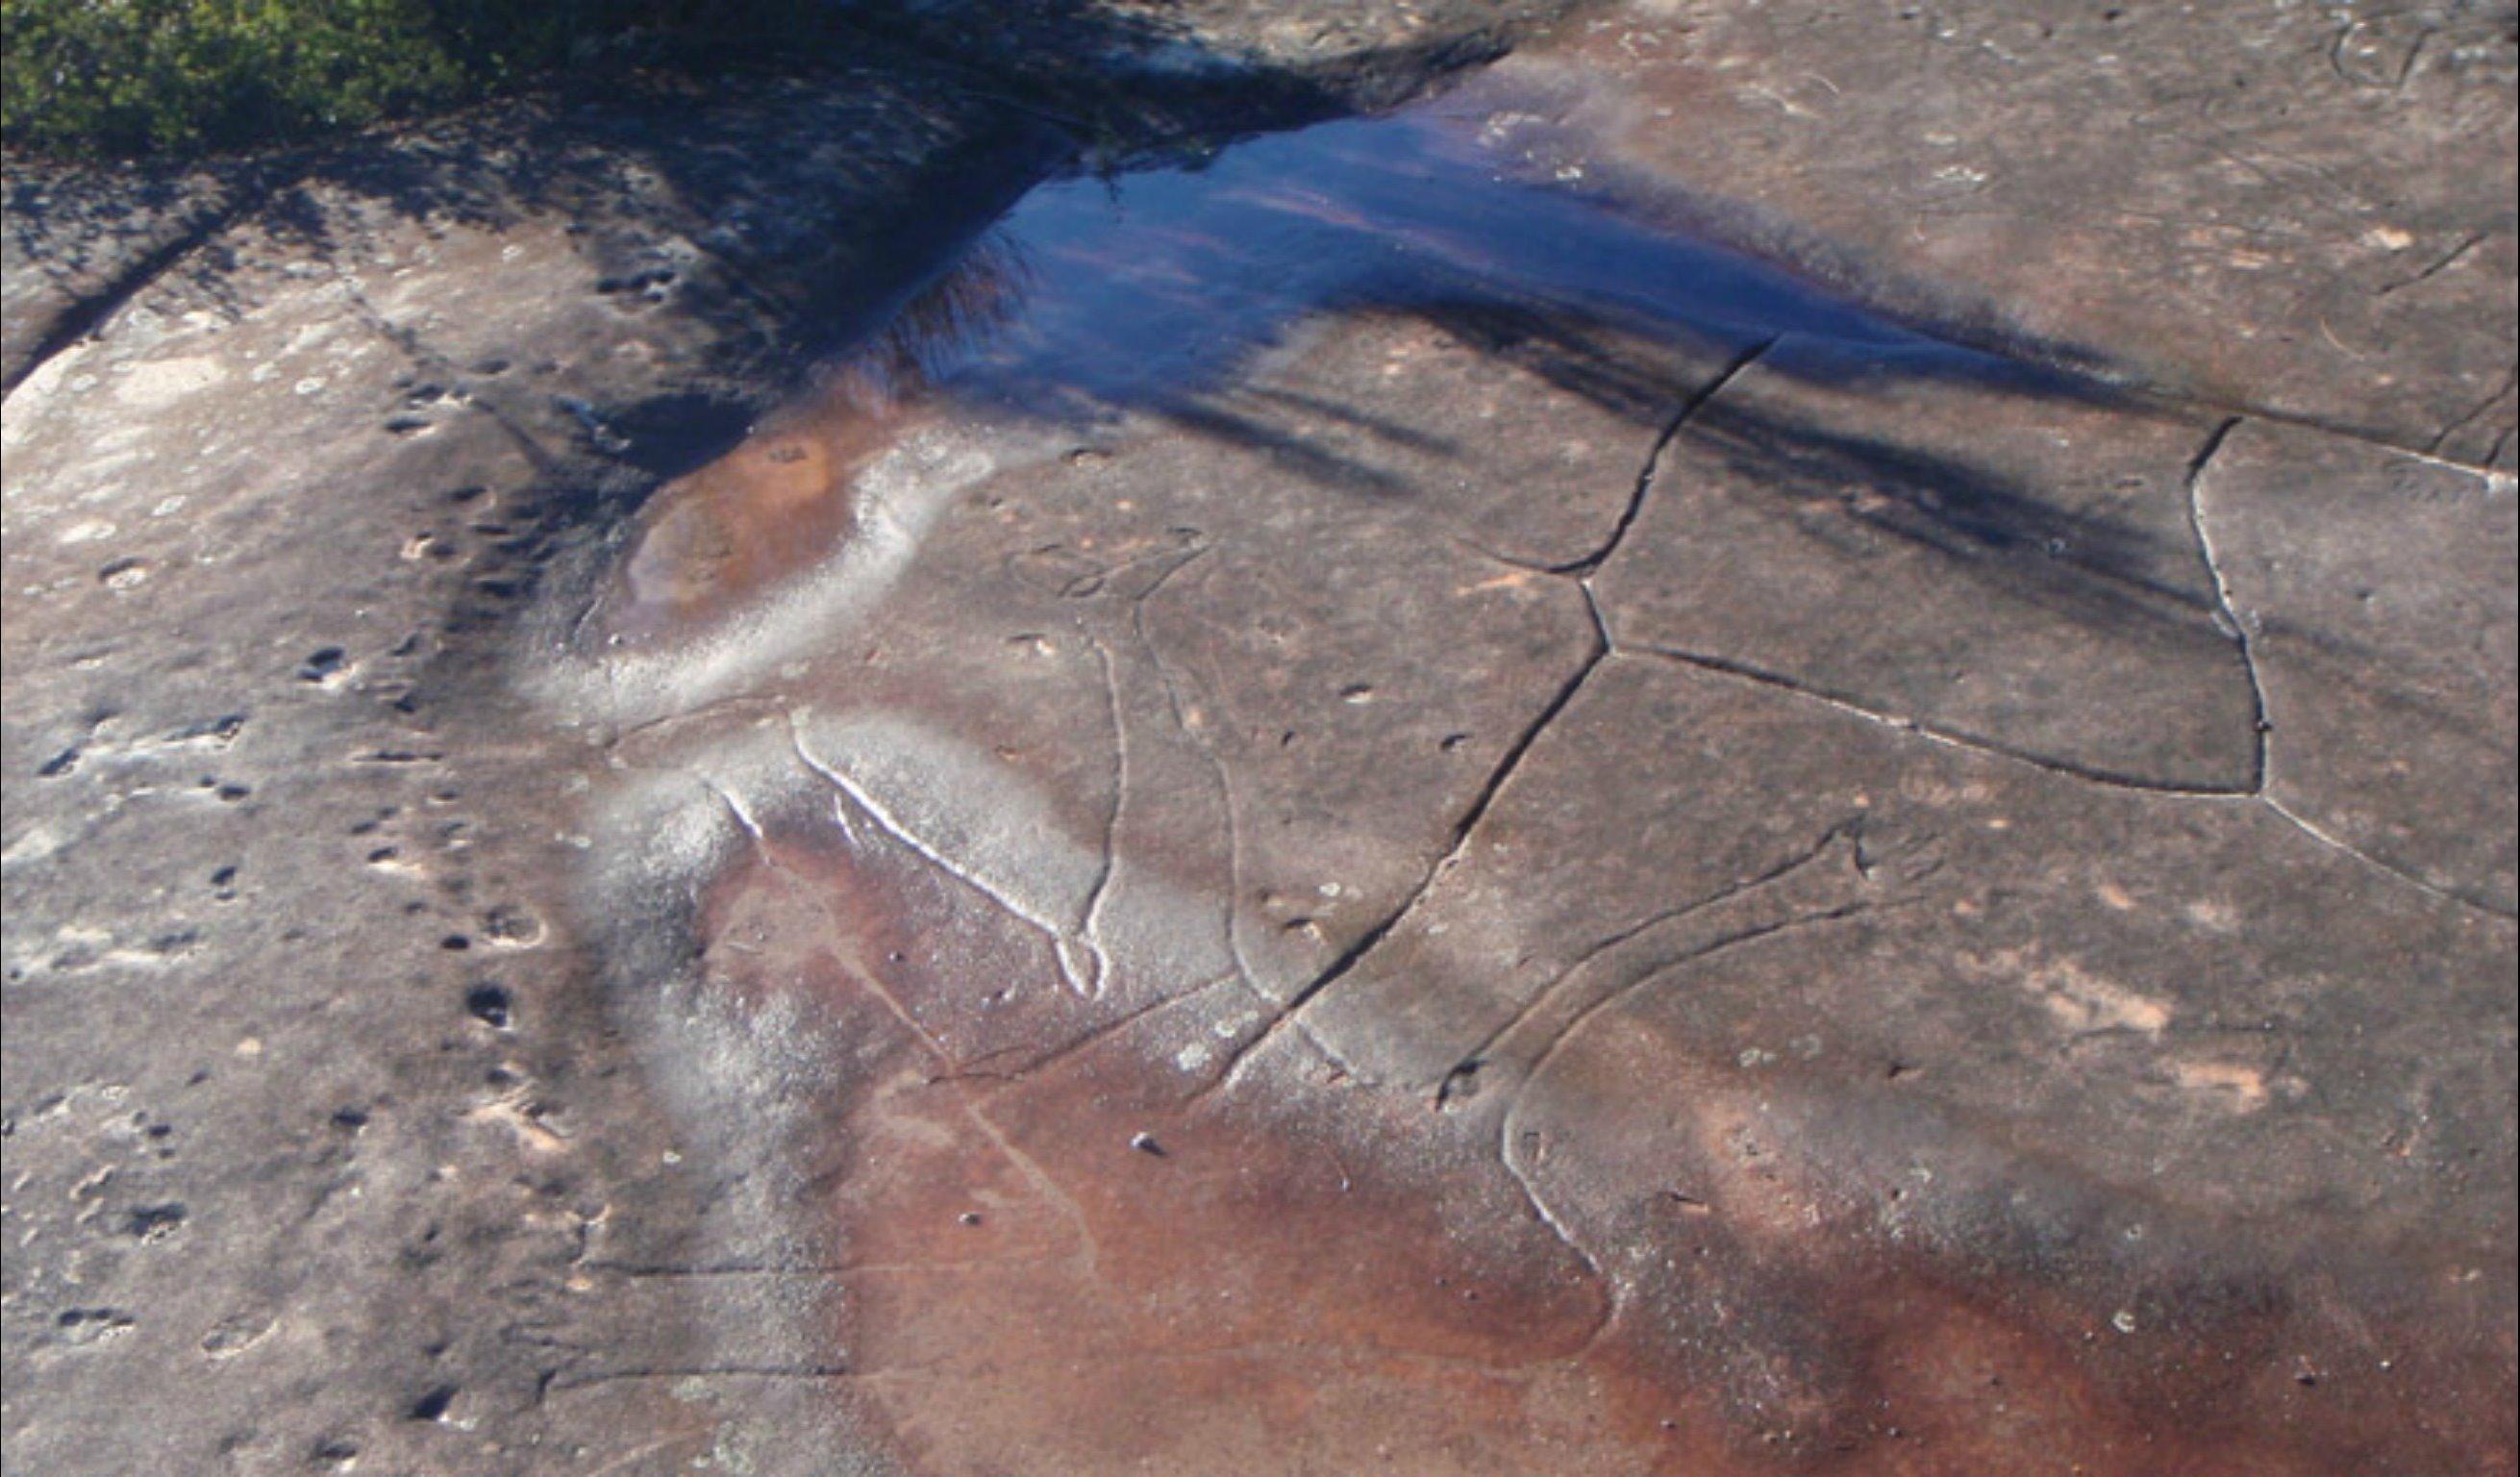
<point x="1070" y="1258"/>
<point x="2010" y="1327"/>
<point x="767" y="510"/>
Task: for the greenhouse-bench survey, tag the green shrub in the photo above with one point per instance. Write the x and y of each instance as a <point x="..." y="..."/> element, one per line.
<point x="160" y="77"/>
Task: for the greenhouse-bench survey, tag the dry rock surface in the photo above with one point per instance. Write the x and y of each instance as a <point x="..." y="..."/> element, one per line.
<point x="1780" y="739"/>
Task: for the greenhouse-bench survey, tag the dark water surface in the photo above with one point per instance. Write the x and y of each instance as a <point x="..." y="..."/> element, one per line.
<point x="1148" y="286"/>
<point x="1151" y="290"/>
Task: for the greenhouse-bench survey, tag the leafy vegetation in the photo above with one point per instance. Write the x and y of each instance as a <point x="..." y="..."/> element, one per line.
<point x="124" y="77"/>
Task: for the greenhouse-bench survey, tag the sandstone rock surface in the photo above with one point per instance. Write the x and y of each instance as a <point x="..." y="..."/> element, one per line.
<point x="751" y="777"/>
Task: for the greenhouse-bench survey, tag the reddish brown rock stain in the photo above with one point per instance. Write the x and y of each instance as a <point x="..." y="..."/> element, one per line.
<point x="1090" y="1264"/>
<point x="759" y="516"/>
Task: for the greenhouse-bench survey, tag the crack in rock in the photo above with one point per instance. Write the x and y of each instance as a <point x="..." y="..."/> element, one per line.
<point x="1080" y="960"/>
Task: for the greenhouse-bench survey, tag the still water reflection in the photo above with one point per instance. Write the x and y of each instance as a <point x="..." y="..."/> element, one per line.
<point x="1148" y="292"/>
<point x="1147" y="288"/>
